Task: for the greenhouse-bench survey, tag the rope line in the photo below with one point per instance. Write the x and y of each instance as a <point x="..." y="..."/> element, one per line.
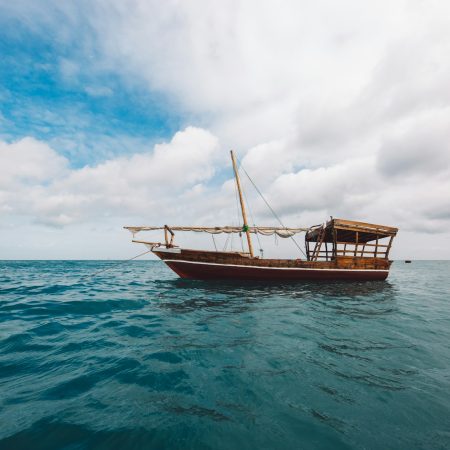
<point x="271" y="209"/>
<point x="261" y="250"/>
<point x="114" y="265"/>
<point x="226" y="243"/>
<point x="238" y="212"/>
<point x="238" y="215"/>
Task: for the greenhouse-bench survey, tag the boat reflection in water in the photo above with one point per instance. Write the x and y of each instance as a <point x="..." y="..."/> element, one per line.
<point x="366" y="299"/>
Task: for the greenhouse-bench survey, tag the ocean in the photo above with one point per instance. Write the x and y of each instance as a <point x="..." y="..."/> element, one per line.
<point x="136" y="358"/>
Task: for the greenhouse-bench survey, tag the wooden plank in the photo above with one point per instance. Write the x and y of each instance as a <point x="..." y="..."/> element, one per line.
<point x="319" y="244"/>
<point x="237" y="258"/>
<point x="356" y="242"/>
<point x="334" y="242"/>
<point x="366" y="253"/>
<point x="359" y="225"/>
<point x="367" y="231"/>
<point x="147" y="242"/>
<point x="366" y="244"/>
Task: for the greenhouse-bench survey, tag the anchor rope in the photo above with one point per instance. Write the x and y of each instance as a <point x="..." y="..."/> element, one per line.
<point x="114" y="265"/>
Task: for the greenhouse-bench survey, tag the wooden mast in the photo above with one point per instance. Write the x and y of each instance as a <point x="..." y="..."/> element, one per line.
<point x="244" y="215"/>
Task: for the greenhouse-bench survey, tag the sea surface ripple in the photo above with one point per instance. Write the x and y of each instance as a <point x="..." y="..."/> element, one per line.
<point x="137" y="358"/>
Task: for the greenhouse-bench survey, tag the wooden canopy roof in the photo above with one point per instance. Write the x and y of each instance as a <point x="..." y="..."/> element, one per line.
<point x="350" y="231"/>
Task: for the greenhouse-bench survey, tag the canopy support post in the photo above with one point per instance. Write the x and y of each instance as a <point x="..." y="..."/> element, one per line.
<point x="166" y="236"/>
<point x="389" y="247"/>
<point x="167" y="230"/>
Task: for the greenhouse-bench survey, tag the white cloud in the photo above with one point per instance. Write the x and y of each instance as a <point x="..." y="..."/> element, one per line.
<point x="337" y="108"/>
<point x="29" y="161"/>
<point x="259" y="69"/>
<point x="174" y="183"/>
<point x="420" y="147"/>
<point x="37" y="182"/>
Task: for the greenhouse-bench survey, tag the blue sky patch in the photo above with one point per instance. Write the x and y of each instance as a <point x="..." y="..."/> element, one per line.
<point x="53" y="90"/>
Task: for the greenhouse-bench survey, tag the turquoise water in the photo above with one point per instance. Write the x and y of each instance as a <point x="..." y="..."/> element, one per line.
<point x="137" y="358"/>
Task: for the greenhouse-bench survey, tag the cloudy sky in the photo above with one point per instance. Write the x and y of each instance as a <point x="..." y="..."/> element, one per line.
<point x="123" y="112"/>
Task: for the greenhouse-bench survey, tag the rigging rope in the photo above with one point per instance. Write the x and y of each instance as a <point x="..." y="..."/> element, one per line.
<point x="114" y="265"/>
<point x="242" y="242"/>
<point x="238" y="214"/>
<point x="271" y="209"/>
<point x="261" y="250"/>
<point x="226" y="243"/>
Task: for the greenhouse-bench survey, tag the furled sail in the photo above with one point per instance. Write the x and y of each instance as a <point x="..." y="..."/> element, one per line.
<point x="266" y="231"/>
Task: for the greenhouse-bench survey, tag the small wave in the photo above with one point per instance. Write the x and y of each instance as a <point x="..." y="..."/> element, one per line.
<point x="139" y="359"/>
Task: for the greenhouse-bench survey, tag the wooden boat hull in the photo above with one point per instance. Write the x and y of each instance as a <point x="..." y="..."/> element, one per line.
<point x="205" y="265"/>
<point x="207" y="271"/>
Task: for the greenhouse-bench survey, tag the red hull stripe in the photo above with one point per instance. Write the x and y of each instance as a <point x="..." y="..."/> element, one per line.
<point x="272" y="268"/>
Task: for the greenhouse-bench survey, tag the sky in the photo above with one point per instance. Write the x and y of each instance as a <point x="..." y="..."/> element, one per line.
<point x="123" y="112"/>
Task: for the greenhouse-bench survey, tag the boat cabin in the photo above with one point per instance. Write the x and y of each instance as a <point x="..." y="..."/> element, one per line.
<point x="342" y="239"/>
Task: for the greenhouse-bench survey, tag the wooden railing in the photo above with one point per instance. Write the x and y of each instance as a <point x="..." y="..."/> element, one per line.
<point x="362" y="250"/>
